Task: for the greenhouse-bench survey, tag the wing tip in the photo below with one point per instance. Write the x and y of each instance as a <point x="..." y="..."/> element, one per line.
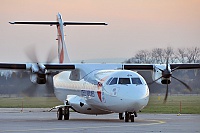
<point x="12" y="22"/>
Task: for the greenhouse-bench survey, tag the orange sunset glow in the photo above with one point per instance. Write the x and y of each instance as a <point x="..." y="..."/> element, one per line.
<point x="132" y="25"/>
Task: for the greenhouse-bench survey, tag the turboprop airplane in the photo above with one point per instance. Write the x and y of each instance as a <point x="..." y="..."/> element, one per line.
<point x="96" y="88"/>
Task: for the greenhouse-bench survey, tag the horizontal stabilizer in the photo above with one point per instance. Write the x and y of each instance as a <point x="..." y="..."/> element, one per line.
<point x="57" y="23"/>
<point x="35" y="22"/>
<point x="85" y="23"/>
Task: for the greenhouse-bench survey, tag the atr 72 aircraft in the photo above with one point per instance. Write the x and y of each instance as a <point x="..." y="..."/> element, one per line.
<point x="96" y="88"/>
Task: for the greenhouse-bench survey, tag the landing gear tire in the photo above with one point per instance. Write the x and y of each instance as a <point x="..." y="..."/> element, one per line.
<point x="60" y="114"/>
<point x="127" y="116"/>
<point x="132" y="117"/>
<point x="66" y="113"/>
<point x="121" y="117"/>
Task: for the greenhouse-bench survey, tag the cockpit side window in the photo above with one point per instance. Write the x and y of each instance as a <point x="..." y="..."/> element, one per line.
<point x="124" y="81"/>
<point x="109" y="81"/>
<point x="136" y="81"/>
<point x="114" y="81"/>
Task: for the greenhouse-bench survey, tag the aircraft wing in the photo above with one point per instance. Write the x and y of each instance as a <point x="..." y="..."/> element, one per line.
<point x="59" y="66"/>
<point x="138" y="66"/>
<point x="25" y="66"/>
<point x="12" y="66"/>
<point x="7" y="69"/>
<point x="145" y="67"/>
<point x="185" y="66"/>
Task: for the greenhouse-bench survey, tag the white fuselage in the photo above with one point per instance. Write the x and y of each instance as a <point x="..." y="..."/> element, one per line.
<point x="95" y="94"/>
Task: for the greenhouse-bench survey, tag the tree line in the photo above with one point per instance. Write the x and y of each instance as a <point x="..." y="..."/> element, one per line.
<point x="160" y="55"/>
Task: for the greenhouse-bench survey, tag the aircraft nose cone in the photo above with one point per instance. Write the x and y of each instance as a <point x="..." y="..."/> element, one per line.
<point x="137" y="98"/>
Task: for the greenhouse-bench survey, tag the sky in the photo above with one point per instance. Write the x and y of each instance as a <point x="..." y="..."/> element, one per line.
<point x="132" y="25"/>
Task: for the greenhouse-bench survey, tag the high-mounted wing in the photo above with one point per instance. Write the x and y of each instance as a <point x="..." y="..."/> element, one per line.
<point x="185" y="66"/>
<point x="38" y="71"/>
<point x="138" y="67"/>
<point x="12" y="66"/>
<point x="152" y="66"/>
<point x="28" y="66"/>
<point x="59" y="66"/>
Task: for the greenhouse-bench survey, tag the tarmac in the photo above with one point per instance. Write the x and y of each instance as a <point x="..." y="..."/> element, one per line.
<point x="40" y="120"/>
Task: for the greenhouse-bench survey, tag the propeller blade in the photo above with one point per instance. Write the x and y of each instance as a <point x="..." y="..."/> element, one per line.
<point x="31" y="54"/>
<point x="154" y="81"/>
<point x="31" y="90"/>
<point x="174" y="68"/>
<point x="49" y="85"/>
<point x="34" y="88"/>
<point x="167" y="62"/>
<point x="187" y="86"/>
<point x="166" y="94"/>
<point x="51" y="55"/>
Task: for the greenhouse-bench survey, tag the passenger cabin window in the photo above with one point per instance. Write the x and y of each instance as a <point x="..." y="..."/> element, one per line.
<point x="136" y="81"/>
<point x="114" y="81"/>
<point x="124" y="81"/>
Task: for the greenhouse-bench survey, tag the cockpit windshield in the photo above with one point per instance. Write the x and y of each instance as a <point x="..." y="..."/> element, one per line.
<point x="136" y="81"/>
<point x="115" y="80"/>
<point x="109" y="81"/>
<point x="124" y="81"/>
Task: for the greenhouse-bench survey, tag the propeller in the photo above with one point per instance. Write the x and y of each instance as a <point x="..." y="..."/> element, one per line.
<point x="166" y="75"/>
<point x="32" y="56"/>
<point x="35" y="89"/>
<point x="40" y="70"/>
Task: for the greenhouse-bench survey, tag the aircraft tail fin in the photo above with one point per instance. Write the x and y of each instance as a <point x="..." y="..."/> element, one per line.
<point x="62" y="50"/>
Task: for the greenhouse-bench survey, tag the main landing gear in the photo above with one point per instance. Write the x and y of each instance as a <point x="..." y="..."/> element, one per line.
<point x="63" y="112"/>
<point x="128" y="116"/>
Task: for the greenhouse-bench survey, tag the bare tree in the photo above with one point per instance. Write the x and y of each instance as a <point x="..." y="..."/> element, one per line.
<point x="193" y="54"/>
<point x="142" y="56"/>
<point x="169" y="53"/>
<point x="180" y="55"/>
<point x="158" y="55"/>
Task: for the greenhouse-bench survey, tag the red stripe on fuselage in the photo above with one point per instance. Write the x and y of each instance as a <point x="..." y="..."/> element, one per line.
<point x="99" y="95"/>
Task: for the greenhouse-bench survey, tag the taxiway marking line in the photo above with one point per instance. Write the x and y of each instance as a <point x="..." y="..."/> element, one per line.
<point x="154" y="122"/>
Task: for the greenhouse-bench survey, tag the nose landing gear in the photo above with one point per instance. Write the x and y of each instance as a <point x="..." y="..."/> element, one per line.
<point x="128" y="116"/>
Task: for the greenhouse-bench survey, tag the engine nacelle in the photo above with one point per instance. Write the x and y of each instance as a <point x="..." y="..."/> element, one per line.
<point x="33" y="78"/>
<point x="166" y="81"/>
<point x="41" y="78"/>
<point x="38" y="78"/>
<point x="34" y="68"/>
<point x="158" y="73"/>
<point x="38" y="74"/>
